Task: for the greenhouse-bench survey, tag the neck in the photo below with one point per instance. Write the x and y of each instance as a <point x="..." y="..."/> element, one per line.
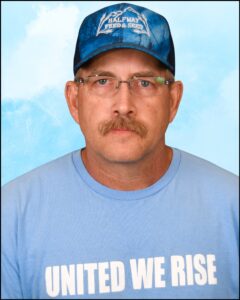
<point x="128" y="176"/>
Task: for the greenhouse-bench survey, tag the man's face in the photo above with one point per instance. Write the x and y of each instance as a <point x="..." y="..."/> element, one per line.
<point x="124" y="127"/>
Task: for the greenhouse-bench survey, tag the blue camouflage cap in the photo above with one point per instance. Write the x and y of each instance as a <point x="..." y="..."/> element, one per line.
<point x="124" y="25"/>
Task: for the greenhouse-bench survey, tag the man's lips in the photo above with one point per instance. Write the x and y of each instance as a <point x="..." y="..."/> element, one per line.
<point x="121" y="130"/>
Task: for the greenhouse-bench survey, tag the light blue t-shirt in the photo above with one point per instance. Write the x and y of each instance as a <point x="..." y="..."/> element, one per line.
<point x="64" y="235"/>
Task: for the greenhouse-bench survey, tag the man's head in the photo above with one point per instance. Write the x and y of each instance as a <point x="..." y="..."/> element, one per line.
<point x="124" y="98"/>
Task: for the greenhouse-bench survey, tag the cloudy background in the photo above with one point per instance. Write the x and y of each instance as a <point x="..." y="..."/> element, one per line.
<point x="38" y="43"/>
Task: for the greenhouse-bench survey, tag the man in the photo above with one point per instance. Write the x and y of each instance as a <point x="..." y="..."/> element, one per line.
<point x="127" y="216"/>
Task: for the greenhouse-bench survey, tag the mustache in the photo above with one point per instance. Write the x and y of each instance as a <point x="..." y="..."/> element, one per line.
<point x="123" y="123"/>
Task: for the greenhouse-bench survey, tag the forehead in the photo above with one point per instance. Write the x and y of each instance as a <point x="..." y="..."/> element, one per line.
<point x="124" y="58"/>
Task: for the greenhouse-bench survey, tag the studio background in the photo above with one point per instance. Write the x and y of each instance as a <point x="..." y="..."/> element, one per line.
<point x="38" y="44"/>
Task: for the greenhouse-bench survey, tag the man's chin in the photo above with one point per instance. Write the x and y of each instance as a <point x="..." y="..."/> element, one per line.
<point x="123" y="156"/>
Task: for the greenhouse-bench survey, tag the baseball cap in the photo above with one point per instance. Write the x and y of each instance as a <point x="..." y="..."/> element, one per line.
<point x="124" y="25"/>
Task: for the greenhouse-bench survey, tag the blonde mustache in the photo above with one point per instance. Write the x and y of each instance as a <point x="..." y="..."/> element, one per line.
<point x="123" y="123"/>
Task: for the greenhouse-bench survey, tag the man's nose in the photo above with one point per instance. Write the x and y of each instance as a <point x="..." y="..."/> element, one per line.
<point x="124" y="100"/>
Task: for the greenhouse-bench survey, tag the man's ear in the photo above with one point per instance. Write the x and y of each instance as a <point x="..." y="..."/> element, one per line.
<point x="71" y="95"/>
<point x="176" y="91"/>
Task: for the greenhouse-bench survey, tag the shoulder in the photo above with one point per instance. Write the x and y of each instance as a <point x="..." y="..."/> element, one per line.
<point x="49" y="176"/>
<point x="208" y="185"/>
<point x="52" y="168"/>
<point x="204" y="180"/>
<point x="203" y="171"/>
<point x="207" y="180"/>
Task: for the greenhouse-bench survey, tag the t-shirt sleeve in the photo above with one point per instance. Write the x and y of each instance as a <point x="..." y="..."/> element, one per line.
<point x="10" y="282"/>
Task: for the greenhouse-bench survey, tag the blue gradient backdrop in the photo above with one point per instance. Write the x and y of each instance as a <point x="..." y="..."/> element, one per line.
<point x="38" y="42"/>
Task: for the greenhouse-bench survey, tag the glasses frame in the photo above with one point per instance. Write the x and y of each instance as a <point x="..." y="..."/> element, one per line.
<point x="159" y="79"/>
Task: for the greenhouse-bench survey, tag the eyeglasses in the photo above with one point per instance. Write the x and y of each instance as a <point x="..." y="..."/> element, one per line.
<point x="145" y="86"/>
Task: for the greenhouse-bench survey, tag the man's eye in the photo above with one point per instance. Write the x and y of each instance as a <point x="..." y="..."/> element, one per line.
<point x="145" y="83"/>
<point x="102" y="81"/>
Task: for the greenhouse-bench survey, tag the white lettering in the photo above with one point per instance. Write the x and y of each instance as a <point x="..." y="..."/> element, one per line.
<point x="103" y="277"/>
<point x="117" y="25"/>
<point x="146" y="273"/>
<point x="117" y="276"/>
<point x="178" y="274"/>
<point x="90" y="268"/>
<point x="52" y="281"/>
<point x="122" y="21"/>
<point x="201" y="276"/>
<point x="137" y="26"/>
<point x="141" y="272"/>
<point x="211" y="269"/>
<point x="189" y="269"/>
<point x="80" y="286"/>
<point x="68" y="280"/>
<point x="159" y="271"/>
<point x="196" y="269"/>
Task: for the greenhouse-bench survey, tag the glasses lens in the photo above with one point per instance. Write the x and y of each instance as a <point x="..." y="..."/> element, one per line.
<point x="144" y="86"/>
<point x="102" y="85"/>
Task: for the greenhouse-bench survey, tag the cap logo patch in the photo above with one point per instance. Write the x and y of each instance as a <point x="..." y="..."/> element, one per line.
<point x="125" y="19"/>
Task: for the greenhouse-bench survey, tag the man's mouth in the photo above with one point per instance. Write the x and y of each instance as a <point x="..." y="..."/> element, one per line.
<point x="122" y="131"/>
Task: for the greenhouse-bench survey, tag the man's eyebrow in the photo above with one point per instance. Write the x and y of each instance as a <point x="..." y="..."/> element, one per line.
<point x="145" y="73"/>
<point x="102" y="73"/>
<point x="109" y="73"/>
